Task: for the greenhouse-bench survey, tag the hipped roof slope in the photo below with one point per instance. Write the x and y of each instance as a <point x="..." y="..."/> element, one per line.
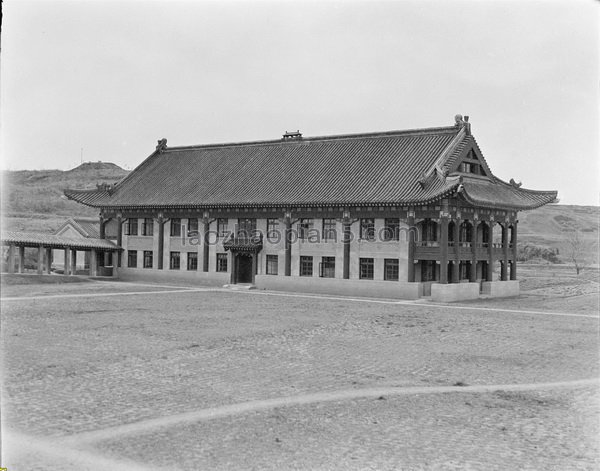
<point x="375" y="168"/>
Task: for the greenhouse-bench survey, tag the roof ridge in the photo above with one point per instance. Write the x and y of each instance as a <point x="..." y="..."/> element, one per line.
<point x="375" y="134"/>
<point x="438" y="165"/>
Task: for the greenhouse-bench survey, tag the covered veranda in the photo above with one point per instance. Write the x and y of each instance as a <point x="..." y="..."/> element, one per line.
<point x="17" y="242"/>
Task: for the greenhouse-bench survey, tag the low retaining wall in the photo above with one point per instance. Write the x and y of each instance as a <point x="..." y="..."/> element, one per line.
<point x="366" y="288"/>
<point x="500" y="289"/>
<point x="174" y="276"/>
<point x="448" y="293"/>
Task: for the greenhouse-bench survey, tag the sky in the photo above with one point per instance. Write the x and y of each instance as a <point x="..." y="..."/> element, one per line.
<point x="105" y="80"/>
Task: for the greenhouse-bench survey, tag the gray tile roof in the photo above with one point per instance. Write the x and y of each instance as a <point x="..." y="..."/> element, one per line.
<point x="34" y="239"/>
<point x="363" y="169"/>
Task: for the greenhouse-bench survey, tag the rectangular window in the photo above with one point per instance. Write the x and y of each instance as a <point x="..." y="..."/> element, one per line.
<point x="329" y="230"/>
<point x="328" y="267"/>
<point x="306" y="266"/>
<point x="147" y="258"/>
<point x="192" y="261"/>
<point x="222" y="227"/>
<point x="192" y="226"/>
<point x="175" y="261"/>
<point x="175" y="227"/>
<point x="148" y="227"/>
<point x="246" y="227"/>
<point x="304" y="226"/>
<point x="222" y="262"/>
<point x="366" y="268"/>
<point x="131" y="228"/>
<point x="429" y="230"/>
<point x="392" y="229"/>
<point x="272" y="264"/>
<point x="367" y="229"/>
<point x="132" y="258"/>
<point x="466" y="233"/>
<point x="390" y="269"/>
<point x="273" y="230"/>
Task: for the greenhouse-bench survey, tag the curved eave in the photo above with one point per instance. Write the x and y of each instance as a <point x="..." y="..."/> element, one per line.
<point x="93" y="198"/>
<point x="426" y="198"/>
<point x="501" y="195"/>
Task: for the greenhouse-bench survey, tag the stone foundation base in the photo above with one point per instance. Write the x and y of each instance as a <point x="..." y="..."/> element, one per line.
<point x="360" y="288"/>
<point x="447" y="293"/>
<point x="174" y="276"/>
<point x="500" y="289"/>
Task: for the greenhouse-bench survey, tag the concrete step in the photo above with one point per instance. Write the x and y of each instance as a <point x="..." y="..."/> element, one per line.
<point x="239" y="286"/>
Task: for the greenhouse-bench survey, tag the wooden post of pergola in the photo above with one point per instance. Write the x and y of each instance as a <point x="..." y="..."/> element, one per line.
<point x="40" y="260"/>
<point x="513" y="266"/>
<point x="21" y="259"/>
<point x="66" y="262"/>
<point x="93" y="263"/>
<point x="48" y="260"/>
<point x="73" y="262"/>
<point x="11" y="258"/>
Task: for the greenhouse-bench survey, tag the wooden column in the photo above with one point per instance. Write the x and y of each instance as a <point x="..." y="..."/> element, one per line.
<point x="490" y="267"/>
<point x="11" y="259"/>
<point x="21" y="259"/>
<point x="254" y="265"/>
<point x="505" y="242"/>
<point x="48" y="261"/>
<point x="233" y="270"/>
<point x="411" y="245"/>
<point x="444" y="243"/>
<point x="288" y="244"/>
<point x="74" y="262"/>
<point x="119" y="239"/>
<point x="206" y="245"/>
<point x="93" y="263"/>
<point x="347" y="237"/>
<point x="67" y="263"/>
<point x="474" y="241"/>
<point x="102" y="227"/>
<point x="513" y="266"/>
<point x="40" y="260"/>
<point x="161" y="243"/>
<point x="456" y="265"/>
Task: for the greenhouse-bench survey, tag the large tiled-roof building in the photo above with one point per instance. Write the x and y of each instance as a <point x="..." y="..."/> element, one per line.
<point x="393" y="214"/>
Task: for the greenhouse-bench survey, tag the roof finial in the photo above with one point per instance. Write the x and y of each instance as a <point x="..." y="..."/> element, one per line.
<point x="162" y="145"/>
<point x="463" y="123"/>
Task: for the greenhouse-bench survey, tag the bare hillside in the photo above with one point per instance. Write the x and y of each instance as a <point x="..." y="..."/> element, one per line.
<point x="28" y="193"/>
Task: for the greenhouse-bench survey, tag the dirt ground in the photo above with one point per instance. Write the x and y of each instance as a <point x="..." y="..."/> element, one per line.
<point x="113" y="375"/>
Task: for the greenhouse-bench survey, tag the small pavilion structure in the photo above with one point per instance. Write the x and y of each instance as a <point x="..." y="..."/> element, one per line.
<point x="47" y="243"/>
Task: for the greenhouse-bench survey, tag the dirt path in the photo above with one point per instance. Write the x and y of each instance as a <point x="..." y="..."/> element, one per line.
<point x="304" y="399"/>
